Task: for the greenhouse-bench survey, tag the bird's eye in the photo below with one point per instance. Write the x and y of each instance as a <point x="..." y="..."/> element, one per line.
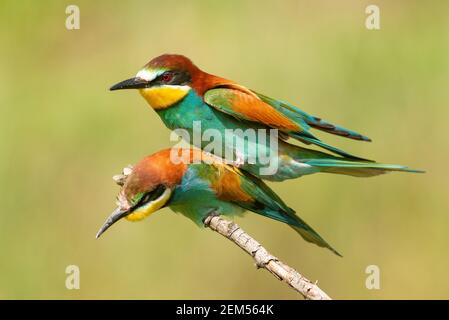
<point x="167" y="77"/>
<point x="152" y="195"/>
<point x="146" y="198"/>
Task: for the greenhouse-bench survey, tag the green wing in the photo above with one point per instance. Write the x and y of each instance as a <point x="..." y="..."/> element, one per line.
<point x="298" y="115"/>
<point x="291" y="122"/>
<point x="269" y="204"/>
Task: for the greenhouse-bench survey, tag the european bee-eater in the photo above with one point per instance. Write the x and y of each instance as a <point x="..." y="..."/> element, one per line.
<point x="183" y="95"/>
<point x="196" y="185"/>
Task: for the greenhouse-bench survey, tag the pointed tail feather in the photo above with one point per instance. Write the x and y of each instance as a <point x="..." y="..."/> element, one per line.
<point x="268" y="204"/>
<point x="357" y="169"/>
<point x="323" y="145"/>
<point x="310" y="235"/>
<point x="300" y="226"/>
<point x="307" y="233"/>
<point x="322" y="125"/>
<point x="304" y="118"/>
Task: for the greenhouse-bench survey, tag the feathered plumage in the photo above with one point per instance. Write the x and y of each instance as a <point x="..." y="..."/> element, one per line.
<point x="183" y="95"/>
<point x="196" y="185"/>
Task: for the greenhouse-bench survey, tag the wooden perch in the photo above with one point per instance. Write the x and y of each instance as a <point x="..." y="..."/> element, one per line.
<point x="262" y="257"/>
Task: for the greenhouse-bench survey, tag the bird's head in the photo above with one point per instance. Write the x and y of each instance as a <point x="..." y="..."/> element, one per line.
<point x="147" y="189"/>
<point x="163" y="81"/>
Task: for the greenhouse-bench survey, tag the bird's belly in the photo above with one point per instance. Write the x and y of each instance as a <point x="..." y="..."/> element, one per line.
<point x="198" y="209"/>
<point x="216" y="132"/>
<point x="196" y="200"/>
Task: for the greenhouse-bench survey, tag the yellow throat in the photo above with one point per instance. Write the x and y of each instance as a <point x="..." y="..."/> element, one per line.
<point x="164" y="96"/>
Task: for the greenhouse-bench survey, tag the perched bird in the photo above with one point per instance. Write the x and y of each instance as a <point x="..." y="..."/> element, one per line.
<point x="188" y="98"/>
<point x="197" y="185"/>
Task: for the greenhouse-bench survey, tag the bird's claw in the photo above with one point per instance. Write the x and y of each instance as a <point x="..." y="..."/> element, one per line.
<point x="209" y="217"/>
<point x="121" y="178"/>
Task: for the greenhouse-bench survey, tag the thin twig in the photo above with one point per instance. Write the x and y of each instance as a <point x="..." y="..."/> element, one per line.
<point x="264" y="259"/>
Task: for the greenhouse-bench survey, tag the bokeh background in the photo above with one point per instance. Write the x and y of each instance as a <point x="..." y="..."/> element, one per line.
<point x="63" y="135"/>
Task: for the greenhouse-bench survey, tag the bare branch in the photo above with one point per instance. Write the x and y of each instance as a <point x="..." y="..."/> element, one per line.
<point x="264" y="259"/>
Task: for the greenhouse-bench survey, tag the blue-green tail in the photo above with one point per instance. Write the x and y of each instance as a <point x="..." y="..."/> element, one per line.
<point x="317" y="142"/>
<point x="270" y="205"/>
<point x="357" y="168"/>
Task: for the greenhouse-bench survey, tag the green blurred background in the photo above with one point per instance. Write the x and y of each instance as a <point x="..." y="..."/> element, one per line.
<point x="63" y="135"/>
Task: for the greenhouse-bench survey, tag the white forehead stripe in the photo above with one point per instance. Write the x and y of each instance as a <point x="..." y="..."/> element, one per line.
<point x="149" y="75"/>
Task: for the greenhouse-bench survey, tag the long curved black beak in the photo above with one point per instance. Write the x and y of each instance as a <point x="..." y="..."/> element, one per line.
<point x="113" y="218"/>
<point x="132" y="83"/>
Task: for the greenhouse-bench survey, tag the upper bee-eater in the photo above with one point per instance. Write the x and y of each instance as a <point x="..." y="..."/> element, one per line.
<point x="197" y="184"/>
<point x="185" y="96"/>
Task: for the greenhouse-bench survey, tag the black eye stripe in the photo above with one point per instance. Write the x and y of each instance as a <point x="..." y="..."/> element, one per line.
<point x="178" y="78"/>
<point x="156" y="193"/>
<point x="152" y="195"/>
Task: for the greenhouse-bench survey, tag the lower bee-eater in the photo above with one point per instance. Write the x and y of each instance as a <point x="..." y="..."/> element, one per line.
<point x="183" y="95"/>
<point x="196" y="185"/>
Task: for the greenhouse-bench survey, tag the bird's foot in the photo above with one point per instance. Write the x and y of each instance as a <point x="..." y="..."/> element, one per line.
<point x="239" y="160"/>
<point x="209" y="217"/>
<point x="120" y="179"/>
